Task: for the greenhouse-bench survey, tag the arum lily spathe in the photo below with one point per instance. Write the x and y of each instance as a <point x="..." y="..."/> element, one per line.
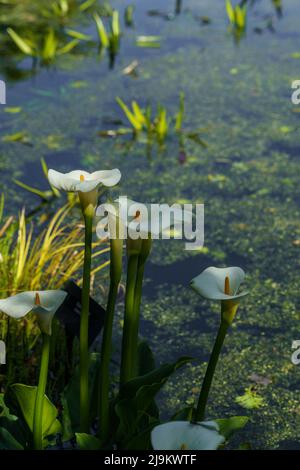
<point x="182" y="435"/>
<point x="143" y="221"/>
<point x="221" y="284"/>
<point x="43" y="303"/>
<point x="86" y="184"/>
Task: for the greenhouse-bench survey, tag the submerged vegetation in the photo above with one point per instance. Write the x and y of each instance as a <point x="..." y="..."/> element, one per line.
<point x="149" y="129"/>
<point x="153" y="378"/>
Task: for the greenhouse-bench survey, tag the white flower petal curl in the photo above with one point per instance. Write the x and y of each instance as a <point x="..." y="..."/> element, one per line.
<point x="177" y="435"/>
<point x="210" y="283"/>
<point x="20" y="305"/>
<point x="80" y="180"/>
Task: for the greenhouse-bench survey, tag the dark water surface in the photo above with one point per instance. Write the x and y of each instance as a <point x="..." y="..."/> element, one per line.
<point x="248" y="178"/>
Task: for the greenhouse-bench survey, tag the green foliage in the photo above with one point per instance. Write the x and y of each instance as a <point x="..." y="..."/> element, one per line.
<point x="237" y="16"/>
<point x="250" y="400"/>
<point x="45" y="48"/>
<point x="228" y="426"/>
<point x="135" y="408"/>
<point x="20" y="399"/>
<point x="109" y="40"/>
<point x="13" y="433"/>
<point x="128" y="15"/>
<point x="156" y="128"/>
<point x="87" y="442"/>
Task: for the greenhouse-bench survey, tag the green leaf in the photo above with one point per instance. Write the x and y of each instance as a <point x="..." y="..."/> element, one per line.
<point x="240" y="17"/>
<point x="103" y="36"/>
<point x="8" y="442"/>
<point x="67" y="431"/>
<point x="185" y="414"/>
<point x="2" y="201"/>
<point x="138" y="113"/>
<point x="230" y="12"/>
<point x="45" y="195"/>
<point x="78" y="35"/>
<point x="159" y="375"/>
<point x="21" y="399"/>
<point x="142" y="440"/>
<point x="18" y="430"/>
<point x="130" y="116"/>
<point x="17" y="137"/>
<point x="162" y="125"/>
<point x="13" y="110"/>
<point x="115" y="24"/>
<point x="194" y="136"/>
<point x="128" y="15"/>
<point x="86" y="5"/>
<point x="228" y="426"/>
<point x="250" y="400"/>
<point x="146" y="361"/>
<point x="135" y="406"/>
<point x="50" y="46"/>
<point x="22" y="44"/>
<point x="180" y="114"/>
<point x="68" y="47"/>
<point x="87" y="441"/>
<point x="55" y="191"/>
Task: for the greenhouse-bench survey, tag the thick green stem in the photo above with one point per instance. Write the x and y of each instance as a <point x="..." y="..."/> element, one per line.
<point x="140" y="251"/>
<point x="40" y="395"/>
<point x="202" y="402"/>
<point x="127" y="371"/>
<point x="136" y="315"/>
<point x="103" y="397"/>
<point x="84" y="327"/>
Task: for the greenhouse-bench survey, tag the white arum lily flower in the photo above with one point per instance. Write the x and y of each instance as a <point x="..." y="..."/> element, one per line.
<point x="43" y="303"/>
<point x="86" y="184"/>
<point x="143" y="221"/>
<point x="221" y="284"/>
<point x="182" y="435"/>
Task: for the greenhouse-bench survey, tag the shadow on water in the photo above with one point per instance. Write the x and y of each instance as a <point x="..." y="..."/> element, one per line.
<point x="183" y="271"/>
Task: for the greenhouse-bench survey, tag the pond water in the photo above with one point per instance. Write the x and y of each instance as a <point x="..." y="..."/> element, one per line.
<point x="247" y="177"/>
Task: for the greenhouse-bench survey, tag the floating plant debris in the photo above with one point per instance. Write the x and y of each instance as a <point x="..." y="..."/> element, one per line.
<point x="148" y="41"/>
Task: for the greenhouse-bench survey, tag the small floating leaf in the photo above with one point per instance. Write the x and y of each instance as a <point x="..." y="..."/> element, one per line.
<point x="131" y="68"/>
<point x="79" y="84"/>
<point x="148" y="41"/>
<point x="13" y="110"/>
<point x="250" y="399"/>
<point x="17" y="137"/>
